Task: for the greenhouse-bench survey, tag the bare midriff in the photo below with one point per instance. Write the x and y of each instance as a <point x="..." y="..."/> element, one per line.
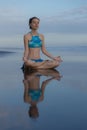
<point x="34" y="53"/>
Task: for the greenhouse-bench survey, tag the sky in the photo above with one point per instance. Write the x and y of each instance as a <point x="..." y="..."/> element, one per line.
<point x="63" y="22"/>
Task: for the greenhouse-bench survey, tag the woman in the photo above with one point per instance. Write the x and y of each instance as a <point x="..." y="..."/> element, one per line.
<point x="33" y="43"/>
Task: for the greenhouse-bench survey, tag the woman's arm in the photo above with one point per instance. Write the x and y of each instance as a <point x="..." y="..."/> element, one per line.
<point x="26" y="50"/>
<point x="43" y="48"/>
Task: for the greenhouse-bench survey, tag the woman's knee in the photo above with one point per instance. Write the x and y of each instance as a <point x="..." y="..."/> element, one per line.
<point x="52" y="63"/>
<point x="55" y="64"/>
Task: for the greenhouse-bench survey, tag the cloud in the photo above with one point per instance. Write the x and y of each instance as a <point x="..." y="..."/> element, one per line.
<point x="69" y="21"/>
<point x="11" y="15"/>
<point x="12" y="21"/>
<point x="15" y="21"/>
<point x="76" y="15"/>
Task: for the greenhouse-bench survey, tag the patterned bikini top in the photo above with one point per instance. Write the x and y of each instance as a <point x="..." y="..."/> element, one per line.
<point x="35" y="42"/>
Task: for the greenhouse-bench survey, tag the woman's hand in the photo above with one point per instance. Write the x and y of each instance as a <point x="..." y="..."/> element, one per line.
<point x="58" y="58"/>
<point x="25" y="59"/>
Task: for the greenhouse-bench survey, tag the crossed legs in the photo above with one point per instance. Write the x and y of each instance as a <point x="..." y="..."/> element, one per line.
<point x="46" y="64"/>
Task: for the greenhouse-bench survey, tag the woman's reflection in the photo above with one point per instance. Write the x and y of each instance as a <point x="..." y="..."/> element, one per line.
<point x="33" y="92"/>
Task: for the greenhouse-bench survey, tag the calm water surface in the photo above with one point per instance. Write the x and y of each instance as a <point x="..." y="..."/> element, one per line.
<point x="58" y="98"/>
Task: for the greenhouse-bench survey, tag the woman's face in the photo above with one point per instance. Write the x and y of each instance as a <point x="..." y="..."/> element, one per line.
<point x="34" y="24"/>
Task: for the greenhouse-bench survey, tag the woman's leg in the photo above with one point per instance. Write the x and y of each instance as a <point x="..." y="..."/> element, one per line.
<point x="46" y="64"/>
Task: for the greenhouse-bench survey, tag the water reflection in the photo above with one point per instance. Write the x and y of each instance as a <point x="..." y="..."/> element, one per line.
<point x="33" y="91"/>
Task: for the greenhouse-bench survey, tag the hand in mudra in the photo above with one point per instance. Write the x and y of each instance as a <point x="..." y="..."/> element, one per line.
<point x="58" y="58"/>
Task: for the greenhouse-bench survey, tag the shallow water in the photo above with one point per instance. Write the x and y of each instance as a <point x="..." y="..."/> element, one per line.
<point x="63" y="105"/>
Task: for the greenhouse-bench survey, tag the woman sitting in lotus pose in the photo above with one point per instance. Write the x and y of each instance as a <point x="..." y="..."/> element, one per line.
<point x="33" y="43"/>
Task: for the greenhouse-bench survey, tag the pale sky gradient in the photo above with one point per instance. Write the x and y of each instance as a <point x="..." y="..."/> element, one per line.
<point x="63" y="22"/>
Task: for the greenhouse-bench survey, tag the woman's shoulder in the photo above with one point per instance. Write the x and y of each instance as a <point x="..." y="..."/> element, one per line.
<point x="27" y="36"/>
<point x="42" y="36"/>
